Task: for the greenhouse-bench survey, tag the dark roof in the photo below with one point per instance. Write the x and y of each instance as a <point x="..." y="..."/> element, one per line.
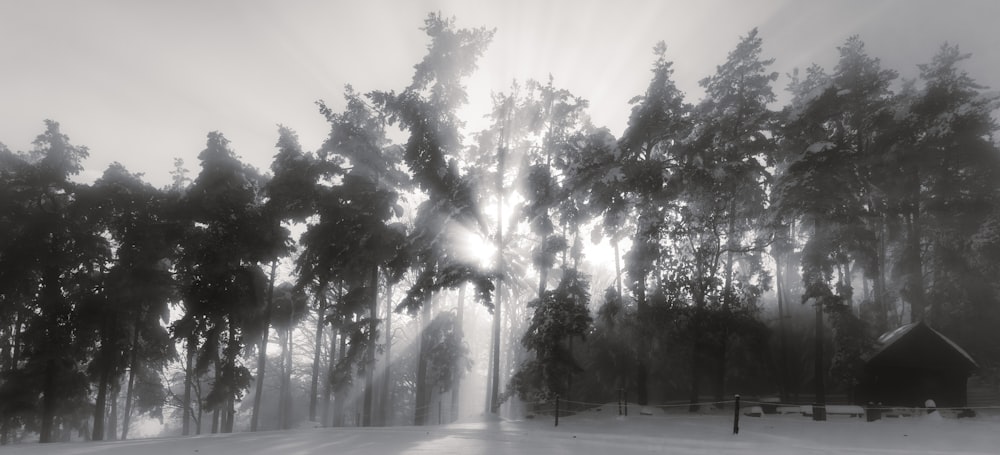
<point x="918" y="345"/>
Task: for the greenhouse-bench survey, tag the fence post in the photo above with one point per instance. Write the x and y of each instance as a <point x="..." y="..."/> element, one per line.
<point x="619" y="401"/>
<point x="873" y="413"/>
<point x="439" y="412"/>
<point x="625" y="399"/>
<point x="557" y="410"/>
<point x="736" y="416"/>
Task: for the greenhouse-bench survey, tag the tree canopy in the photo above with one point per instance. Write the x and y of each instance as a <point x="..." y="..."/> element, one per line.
<point x="868" y="201"/>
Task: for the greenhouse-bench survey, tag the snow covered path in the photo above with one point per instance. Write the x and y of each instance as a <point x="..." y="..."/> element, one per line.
<point x="590" y="433"/>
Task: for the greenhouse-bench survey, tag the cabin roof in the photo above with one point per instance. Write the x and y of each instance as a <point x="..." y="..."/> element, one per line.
<point x="917" y="345"/>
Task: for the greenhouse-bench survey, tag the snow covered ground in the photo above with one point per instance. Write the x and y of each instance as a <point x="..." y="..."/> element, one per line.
<point x="588" y="433"/>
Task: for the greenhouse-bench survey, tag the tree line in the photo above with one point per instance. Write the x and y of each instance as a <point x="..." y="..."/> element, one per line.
<point x="869" y="200"/>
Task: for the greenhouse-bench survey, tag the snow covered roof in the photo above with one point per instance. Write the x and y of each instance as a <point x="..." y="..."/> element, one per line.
<point x="890" y="341"/>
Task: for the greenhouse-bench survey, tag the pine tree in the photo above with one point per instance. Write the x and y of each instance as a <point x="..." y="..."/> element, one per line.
<point x="224" y="287"/>
<point x="138" y="287"/>
<point x="51" y="264"/>
<point x="427" y="110"/>
<point x="833" y="125"/>
<point x="725" y="181"/>
<point x="559" y="316"/>
<point x="647" y="157"/>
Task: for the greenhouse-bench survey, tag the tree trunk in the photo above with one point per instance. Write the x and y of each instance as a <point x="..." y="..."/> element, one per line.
<point x="113" y="412"/>
<point x="368" y="406"/>
<point x="285" y="398"/>
<point x="216" y="414"/>
<point x="15" y="353"/>
<point x="456" y="385"/>
<point x="728" y="287"/>
<point x="618" y="268"/>
<point x="229" y="419"/>
<point x="4" y="430"/>
<point x="215" y="411"/>
<point x="259" y="387"/>
<point x="201" y="415"/>
<point x="488" y="402"/>
<point x="15" y="356"/>
<point x="225" y="418"/>
<point x="385" y="400"/>
<point x="188" y="377"/>
<point x="129" y="391"/>
<point x="543" y="271"/>
<point x="881" y="294"/>
<point x="65" y="433"/>
<point x="697" y="321"/>
<point x="727" y="304"/>
<point x="231" y="353"/>
<point x="6" y="337"/>
<point x="879" y="300"/>
<point x="819" y="371"/>
<point x="328" y="382"/>
<point x="101" y="405"/>
<point x="52" y="303"/>
<point x="339" y="399"/>
<point x="201" y="412"/>
<point x="48" y="403"/>
<point x="107" y="371"/>
<point x="498" y="305"/>
<point x="642" y="371"/>
<point x="495" y="356"/>
<point x="779" y="282"/>
<point x="694" y="391"/>
<point x="934" y="311"/>
<point x="914" y="291"/>
<point x="513" y="355"/>
<point x="258" y="394"/>
<point x="314" y="387"/>
<point x="422" y="400"/>
<point x="7" y="334"/>
<point x="133" y="366"/>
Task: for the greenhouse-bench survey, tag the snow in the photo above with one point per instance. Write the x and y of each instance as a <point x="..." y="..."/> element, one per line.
<point x="820" y="147"/>
<point x="590" y="432"/>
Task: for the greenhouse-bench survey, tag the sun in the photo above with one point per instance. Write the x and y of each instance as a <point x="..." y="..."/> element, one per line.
<point x="472" y="247"/>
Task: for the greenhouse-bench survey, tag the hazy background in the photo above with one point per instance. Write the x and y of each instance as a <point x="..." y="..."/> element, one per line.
<point x="142" y="82"/>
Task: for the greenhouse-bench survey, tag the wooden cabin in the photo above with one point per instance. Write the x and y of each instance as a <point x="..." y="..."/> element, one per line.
<point x="915" y="363"/>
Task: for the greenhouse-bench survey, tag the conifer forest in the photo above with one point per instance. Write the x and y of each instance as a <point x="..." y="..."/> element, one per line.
<point x="408" y="271"/>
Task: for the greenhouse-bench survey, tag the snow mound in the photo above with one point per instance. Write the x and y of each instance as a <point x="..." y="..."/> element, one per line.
<point x="584" y="433"/>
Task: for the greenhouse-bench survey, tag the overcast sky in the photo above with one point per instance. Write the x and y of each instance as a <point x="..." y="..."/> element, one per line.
<point x="142" y="82"/>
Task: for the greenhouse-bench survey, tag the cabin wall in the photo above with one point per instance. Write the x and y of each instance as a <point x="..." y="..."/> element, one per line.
<point x="912" y="387"/>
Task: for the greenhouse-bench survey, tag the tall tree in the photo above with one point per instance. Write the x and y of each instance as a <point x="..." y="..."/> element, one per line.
<point x="290" y="197"/>
<point x="138" y="287"/>
<point x="824" y="186"/>
<point x="949" y="167"/>
<point x="224" y="287"/>
<point x="560" y="315"/>
<point x="358" y="237"/>
<point x="647" y="157"/>
<point x="427" y="109"/>
<point x="289" y="308"/>
<point x="725" y="181"/>
<point x="49" y="261"/>
<point x="859" y="121"/>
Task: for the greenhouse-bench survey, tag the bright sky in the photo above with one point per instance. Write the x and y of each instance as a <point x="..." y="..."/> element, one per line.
<point x="142" y="82"/>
